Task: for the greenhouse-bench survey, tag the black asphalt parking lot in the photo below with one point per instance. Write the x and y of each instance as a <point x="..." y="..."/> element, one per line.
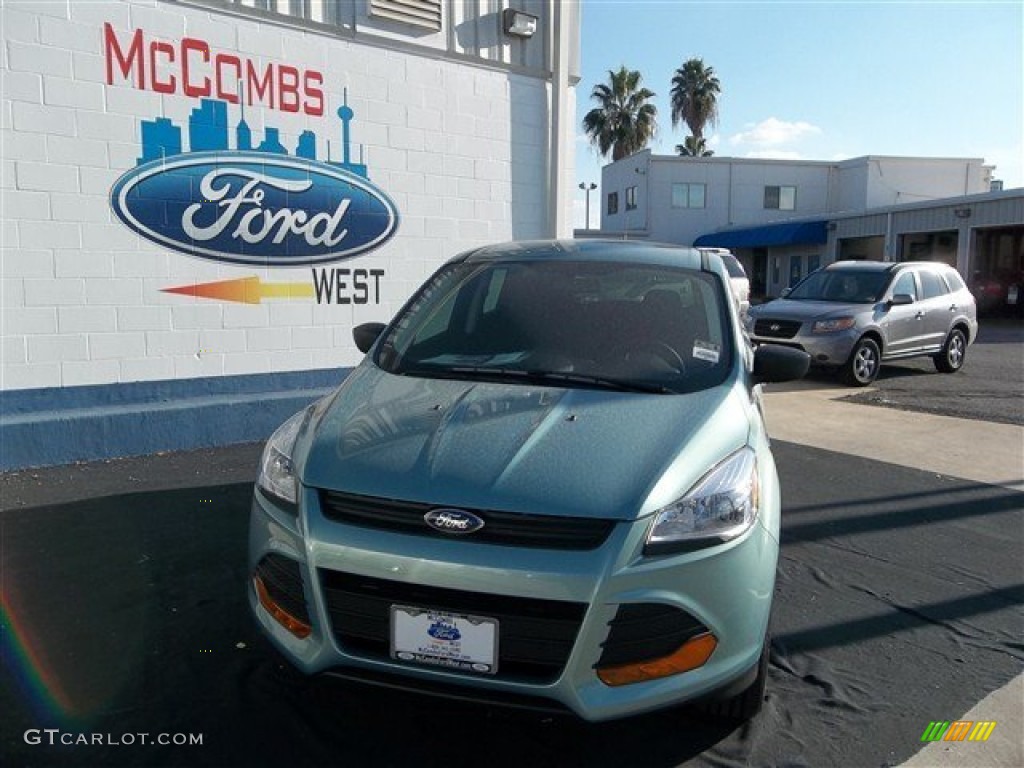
<point x="989" y="387"/>
<point x="899" y="601"/>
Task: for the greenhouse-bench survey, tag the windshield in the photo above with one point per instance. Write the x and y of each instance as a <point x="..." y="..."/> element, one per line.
<point x="624" y="327"/>
<point x="845" y="286"/>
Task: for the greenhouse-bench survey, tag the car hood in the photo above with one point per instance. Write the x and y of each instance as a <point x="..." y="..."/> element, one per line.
<point x="538" y="450"/>
<point x="788" y="309"/>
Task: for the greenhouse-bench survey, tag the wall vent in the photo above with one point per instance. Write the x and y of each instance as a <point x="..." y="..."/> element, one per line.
<point x="420" y="13"/>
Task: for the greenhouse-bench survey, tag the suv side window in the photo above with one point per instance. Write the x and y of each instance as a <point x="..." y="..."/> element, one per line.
<point x="905" y="284"/>
<point x="954" y="280"/>
<point x="931" y="284"/>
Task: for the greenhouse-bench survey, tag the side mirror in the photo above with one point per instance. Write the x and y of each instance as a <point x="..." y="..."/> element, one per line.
<point x="774" y="363"/>
<point x="785" y="292"/>
<point x="901" y="299"/>
<point x="366" y="334"/>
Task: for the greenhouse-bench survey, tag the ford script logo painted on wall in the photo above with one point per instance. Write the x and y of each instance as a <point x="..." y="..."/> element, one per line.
<point x="254" y="208"/>
<point x="453" y="521"/>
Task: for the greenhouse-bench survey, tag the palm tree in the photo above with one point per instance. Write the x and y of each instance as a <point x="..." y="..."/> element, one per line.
<point x="694" y="147"/>
<point x="624" y="122"/>
<point x="694" y="97"/>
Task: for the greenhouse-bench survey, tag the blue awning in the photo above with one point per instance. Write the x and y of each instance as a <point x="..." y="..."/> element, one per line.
<point x="768" y="236"/>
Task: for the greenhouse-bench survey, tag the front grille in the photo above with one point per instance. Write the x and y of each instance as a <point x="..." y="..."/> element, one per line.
<point x="507" y="528"/>
<point x="282" y="578"/>
<point x="776" y="329"/>
<point x="644" y="631"/>
<point x="535" y="637"/>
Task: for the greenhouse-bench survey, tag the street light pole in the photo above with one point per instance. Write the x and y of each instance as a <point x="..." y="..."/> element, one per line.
<point x="587" y="188"/>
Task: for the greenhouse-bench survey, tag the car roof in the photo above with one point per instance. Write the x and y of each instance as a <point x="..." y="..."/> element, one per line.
<point x="661" y="254"/>
<point x="882" y="266"/>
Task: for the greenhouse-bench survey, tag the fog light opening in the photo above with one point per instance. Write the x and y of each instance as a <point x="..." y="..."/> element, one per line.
<point x="300" y="629"/>
<point x="690" y="655"/>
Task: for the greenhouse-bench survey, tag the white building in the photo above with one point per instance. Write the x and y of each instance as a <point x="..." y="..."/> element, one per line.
<point x="786" y="218"/>
<point x="201" y="198"/>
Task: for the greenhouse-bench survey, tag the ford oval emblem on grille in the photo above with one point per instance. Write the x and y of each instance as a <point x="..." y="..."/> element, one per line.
<point x="453" y="521"/>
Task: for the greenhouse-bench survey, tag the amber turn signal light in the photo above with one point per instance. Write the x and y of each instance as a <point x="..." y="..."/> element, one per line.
<point x="298" y="628"/>
<point x="690" y="655"/>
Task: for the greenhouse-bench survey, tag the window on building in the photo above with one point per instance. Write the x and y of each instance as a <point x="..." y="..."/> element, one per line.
<point x="780" y="198"/>
<point x="796" y="269"/>
<point x="630" y="198"/>
<point x="688" y="195"/>
<point x="613" y="203"/>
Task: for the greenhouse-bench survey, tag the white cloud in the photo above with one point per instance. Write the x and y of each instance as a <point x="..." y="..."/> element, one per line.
<point x="773" y="132"/>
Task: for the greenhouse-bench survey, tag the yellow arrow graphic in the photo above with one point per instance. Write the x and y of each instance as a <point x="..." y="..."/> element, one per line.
<point x="244" y="290"/>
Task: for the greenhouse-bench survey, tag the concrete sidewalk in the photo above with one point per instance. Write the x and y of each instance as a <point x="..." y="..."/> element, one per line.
<point x="806" y="413"/>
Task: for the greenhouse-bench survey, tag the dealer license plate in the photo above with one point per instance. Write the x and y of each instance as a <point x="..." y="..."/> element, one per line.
<point x="452" y="640"/>
<point x="1012" y="294"/>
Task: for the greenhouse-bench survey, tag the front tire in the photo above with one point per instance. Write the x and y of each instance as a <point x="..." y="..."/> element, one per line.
<point x="954" y="352"/>
<point x="862" y="366"/>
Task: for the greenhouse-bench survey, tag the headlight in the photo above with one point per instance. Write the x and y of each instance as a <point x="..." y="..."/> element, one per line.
<point x="834" y="325"/>
<point x="748" y="322"/>
<point x="719" y="508"/>
<point x="277" y="474"/>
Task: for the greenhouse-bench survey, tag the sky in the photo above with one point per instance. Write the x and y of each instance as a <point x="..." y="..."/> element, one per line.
<point x="821" y="80"/>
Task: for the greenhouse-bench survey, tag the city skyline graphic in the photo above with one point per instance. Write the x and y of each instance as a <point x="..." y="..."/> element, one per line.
<point x="208" y="131"/>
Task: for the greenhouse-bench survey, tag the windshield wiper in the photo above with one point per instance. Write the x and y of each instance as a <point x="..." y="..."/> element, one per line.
<point x="536" y="377"/>
<point x="602" y="382"/>
<point x="542" y="377"/>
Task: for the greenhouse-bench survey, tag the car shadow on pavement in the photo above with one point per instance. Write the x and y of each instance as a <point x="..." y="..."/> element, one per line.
<point x="128" y="615"/>
<point x="898" y="602"/>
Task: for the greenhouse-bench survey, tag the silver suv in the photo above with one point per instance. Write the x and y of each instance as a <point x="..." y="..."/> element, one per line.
<point x="738" y="281"/>
<point x="854" y="315"/>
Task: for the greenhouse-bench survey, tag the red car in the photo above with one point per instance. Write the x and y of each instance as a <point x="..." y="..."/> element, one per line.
<point x="999" y="292"/>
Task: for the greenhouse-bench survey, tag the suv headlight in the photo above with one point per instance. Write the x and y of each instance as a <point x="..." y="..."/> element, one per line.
<point x="834" y="325"/>
<point x="720" y="507"/>
<point x="277" y="473"/>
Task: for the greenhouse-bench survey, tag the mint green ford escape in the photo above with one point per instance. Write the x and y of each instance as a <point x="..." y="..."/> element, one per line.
<point x="548" y="484"/>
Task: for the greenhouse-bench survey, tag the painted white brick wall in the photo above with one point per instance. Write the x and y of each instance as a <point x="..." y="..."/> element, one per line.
<point x="89" y="320"/>
<point x="459" y="148"/>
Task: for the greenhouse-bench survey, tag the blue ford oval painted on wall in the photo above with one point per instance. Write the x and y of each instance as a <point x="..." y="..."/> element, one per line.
<point x="254" y="208"/>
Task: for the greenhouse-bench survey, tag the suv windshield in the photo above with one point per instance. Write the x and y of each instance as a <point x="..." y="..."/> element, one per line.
<point x="599" y="325"/>
<point x="842" y="285"/>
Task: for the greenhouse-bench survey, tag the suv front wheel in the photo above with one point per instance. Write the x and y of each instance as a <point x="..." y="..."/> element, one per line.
<point x="951" y="358"/>
<point x="862" y="366"/>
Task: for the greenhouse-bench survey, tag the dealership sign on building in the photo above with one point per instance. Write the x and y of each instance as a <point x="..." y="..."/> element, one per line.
<point x="211" y="191"/>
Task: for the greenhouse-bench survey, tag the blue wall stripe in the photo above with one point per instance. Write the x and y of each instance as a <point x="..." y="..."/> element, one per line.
<point x="45" y="427"/>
